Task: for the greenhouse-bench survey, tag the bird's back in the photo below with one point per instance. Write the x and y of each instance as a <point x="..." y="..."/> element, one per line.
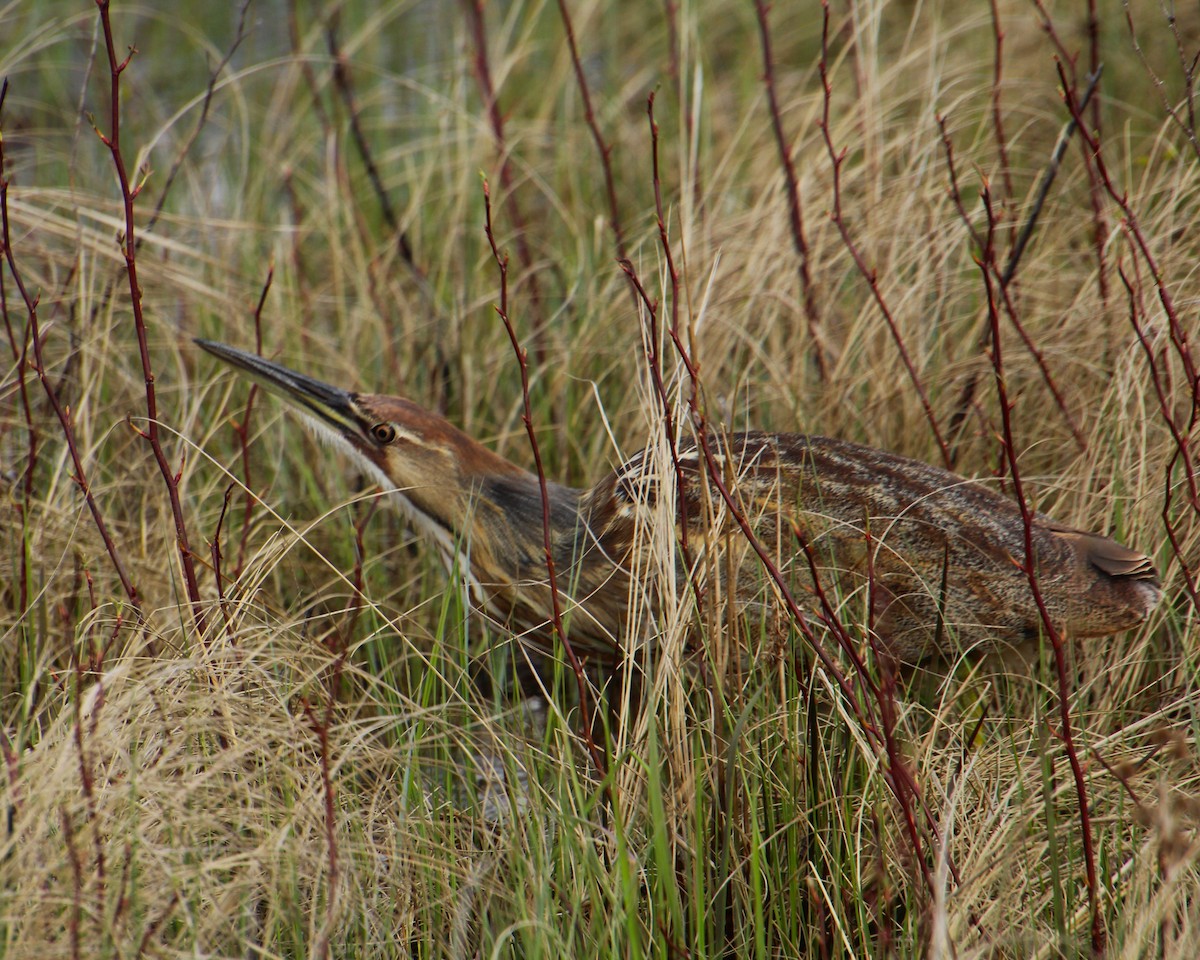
<point x="932" y="561"/>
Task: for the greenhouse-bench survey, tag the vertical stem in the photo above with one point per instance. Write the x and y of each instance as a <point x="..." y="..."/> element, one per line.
<point x="129" y="194"/>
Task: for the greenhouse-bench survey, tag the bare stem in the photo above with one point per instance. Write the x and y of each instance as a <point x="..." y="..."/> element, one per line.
<point x="604" y="148"/>
<point x="792" y="182"/>
<point x="242" y="429"/>
<point x="1029" y="567"/>
<point x="556" y="621"/>
<point x="129" y="193"/>
<point x="836" y="158"/>
<point x="483" y="75"/>
<point x="63" y="413"/>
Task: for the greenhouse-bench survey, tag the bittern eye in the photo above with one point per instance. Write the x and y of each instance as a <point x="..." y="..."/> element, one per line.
<point x="383" y="433"/>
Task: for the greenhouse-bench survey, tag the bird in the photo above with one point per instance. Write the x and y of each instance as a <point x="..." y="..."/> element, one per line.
<point x="932" y="561"/>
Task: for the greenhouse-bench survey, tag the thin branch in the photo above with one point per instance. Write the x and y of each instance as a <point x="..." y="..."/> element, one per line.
<point x="1187" y="125"/>
<point x="242" y="430"/>
<point x="836" y="158"/>
<point x="34" y="337"/>
<point x="556" y="620"/>
<point x="997" y="110"/>
<point x="1029" y="566"/>
<point x="129" y="194"/>
<point x="604" y="148"/>
<point x="653" y="341"/>
<point x="1048" y="176"/>
<point x="201" y="121"/>
<point x="1006" y="276"/>
<point x="483" y="75"/>
<point x="1131" y="225"/>
<point x="345" y="89"/>
<point x="792" y="182"/>
<point x="1136" y="311"/>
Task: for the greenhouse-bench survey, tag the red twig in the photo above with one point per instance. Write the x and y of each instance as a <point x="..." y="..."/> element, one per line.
<point x="556" y="621"/>
<point x="483" y="75"/>
<point x="1067" y="63"/>
<point x="1093" y="31"/>
<point x="20" y="359"/>
<point x="87" y="779"/>
<point x="202" y="120"/>
<point x="836" y="157"/>
<point x="357" y="576"/>
<point x="129" y="194"/>
<point x="653" y="342"/>
<point x="242" y="430"/>
<point x="604" y="148"/>
<point x="997" y="109"/>
<point x="304" y="61"/>
<point x="76" y="915"/>
<point x="155" y="925"/>
<point x="321" y="727"/>
<point x="215" y="549"/>
<point x="1006" y="276"/>
<point x="34" y="337"/>
<point x="1186" y="123"/>
<point x="1029" y="567"/>
<point x="792" y="182"/>
<point x="1132" y="227"/>
<point x="345" y="89"/>
<point x="1136" y="311"/>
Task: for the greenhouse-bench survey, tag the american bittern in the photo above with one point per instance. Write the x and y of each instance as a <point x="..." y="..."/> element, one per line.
<point x="935" y="557"/>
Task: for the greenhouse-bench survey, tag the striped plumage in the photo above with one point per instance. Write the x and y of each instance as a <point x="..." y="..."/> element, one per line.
<point x="931" y="561"/>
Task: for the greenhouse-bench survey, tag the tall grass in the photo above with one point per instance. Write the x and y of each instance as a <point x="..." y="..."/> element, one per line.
<point x="298" y="763"/>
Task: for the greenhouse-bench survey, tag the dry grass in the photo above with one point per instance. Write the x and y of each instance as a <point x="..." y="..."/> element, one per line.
<point x="312" y="773"/>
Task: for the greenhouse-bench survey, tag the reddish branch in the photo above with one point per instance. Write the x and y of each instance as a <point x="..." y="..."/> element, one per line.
<point x="1132" y="227"/>
<point x="103" y="301"/>
<point x="358" y="575"/>
<point x="483" y="75"/>
<point x="76" y="861"/>
<point x="202" y="120"/>
<point x="61" y="412"/>
<point x="1006" y="276"/>
<point x="556" y="621"/>
<point x="997" y="111"/>
<point x="1067" y="62"/>
<point x="215" y="552"/>
<point x="242" y="429"/>
<point x="1186" y="124"/>
<point x="301" y="58"/>
<point x="129" y="194"/>
<point x="19" y="355"/>
<point x="836" y="158"/>
<point x="653" y="347"/>
<point x="1157" y="376"/>
<point x="321" y="727"/>
<point x="589" y="116"/>
<point x="342" y="83"/>
<point x="1029" y="567"/>
<point x="1181" y="426"/>
<point x="792" y="182"/>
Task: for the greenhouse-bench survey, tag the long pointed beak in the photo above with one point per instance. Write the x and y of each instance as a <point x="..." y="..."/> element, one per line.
<point x="330" y="405"/>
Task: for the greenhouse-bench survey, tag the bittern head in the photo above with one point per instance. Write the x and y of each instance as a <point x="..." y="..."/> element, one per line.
<point x="416" y="454"/>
